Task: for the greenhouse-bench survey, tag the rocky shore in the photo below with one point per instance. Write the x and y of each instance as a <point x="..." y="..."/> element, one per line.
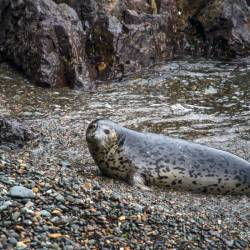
<point x="75" y="43"/>
<point x="50" y="202"/>
<point x="63" y="209"/>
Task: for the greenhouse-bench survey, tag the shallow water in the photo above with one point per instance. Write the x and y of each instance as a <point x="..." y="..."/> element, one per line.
<point x="200" y="100"/>
<point x="203" y="101"/>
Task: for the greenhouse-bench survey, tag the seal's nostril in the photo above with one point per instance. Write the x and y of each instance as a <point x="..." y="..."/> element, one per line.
<point x="92" y="126"/>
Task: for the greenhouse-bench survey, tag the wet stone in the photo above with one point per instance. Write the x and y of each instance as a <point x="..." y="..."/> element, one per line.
<point x="21" y="192"/>
<point x="60" y="198"/>
<point x="5" y="205"/>
<point x="20" y="246"/>
<point x="45" y="213"/>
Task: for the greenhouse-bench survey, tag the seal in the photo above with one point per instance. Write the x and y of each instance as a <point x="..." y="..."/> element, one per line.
<point x="145" y="159"/>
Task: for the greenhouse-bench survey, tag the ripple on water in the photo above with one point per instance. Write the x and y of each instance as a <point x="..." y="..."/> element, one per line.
<point x="201" y="100"/>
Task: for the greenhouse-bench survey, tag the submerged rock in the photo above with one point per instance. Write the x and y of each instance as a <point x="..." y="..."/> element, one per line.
<point x="13" y="132"/>
<point x="44" y="40"/>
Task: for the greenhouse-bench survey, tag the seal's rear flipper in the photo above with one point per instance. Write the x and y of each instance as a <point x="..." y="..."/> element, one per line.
<point x="138" y="181"/>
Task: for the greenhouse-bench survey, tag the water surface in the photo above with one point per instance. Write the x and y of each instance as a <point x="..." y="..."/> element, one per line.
<point x="200" y="100"/>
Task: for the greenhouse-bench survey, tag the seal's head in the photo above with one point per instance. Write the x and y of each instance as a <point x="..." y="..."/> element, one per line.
<point x="101" y="134"/>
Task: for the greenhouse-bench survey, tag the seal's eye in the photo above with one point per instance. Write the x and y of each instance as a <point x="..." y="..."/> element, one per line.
<point x="106" y="131"/>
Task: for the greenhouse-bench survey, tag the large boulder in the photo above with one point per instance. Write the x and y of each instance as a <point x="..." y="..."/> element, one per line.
<point x="14" y="133"/>
<point x="45" y="41"/>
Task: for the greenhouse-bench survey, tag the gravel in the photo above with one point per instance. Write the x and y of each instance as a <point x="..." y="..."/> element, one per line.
<point x="75" y="211"/>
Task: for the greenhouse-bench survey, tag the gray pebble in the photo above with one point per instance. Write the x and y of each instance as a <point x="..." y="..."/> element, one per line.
<point x="12" y="241"/>
<point x="5" y="205"/>
<point x="60" y="198"/>
<point x="15" y="216"/>
<point x="21" y="192"/>
<point x="45" y="213"/>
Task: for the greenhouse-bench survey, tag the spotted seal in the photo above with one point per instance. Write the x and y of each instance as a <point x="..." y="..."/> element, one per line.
<point x="145" y="159"/>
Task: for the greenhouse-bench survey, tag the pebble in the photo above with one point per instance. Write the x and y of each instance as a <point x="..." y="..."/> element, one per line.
<point x="15" y="216"/>
<point x="45" y="213"/>
<point x="21" y="192"/>
<point x="5" y="205"/>
<point x="20" y="245"/>
<point x="60" y="198"/>
<point x="12" y="241"/>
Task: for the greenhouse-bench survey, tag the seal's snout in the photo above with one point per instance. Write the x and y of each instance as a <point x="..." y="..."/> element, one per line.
<point x="97" y="132"/>
<point x="90" y="133"/>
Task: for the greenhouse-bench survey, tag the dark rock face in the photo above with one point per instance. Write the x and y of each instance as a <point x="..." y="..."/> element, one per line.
<point x="49" y="43"/>
<point x="218" y="28"/>
<point x="123" y="36"/>
<point x="13" y="133"/>
<point x="44" y="40"/>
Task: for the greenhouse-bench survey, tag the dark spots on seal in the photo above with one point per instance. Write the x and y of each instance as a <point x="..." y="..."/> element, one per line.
<point x="165" y="170"/>
<point x="173" y="183"/>
<point x="158" y="162"/>
<point x="211" y="160"/>
<point x="237" y="177"/>
<point x="181" y="159"/>
<point x="179" y="181"/>
<point x="201" y="162"/>
<point x="141" y="151"/>
<point x="237" y="185"/>
<point x="242" y="172"/>
<point x="166" y="160"/>
<point x="191" y="173"/>
<point x="126" y="161"/>
<point x="210" y="175"/>
<point x="194" y="182"/>
<point x="121" y="141"/>
<point x="196" y="165"/>
<point x="162" y="177"/>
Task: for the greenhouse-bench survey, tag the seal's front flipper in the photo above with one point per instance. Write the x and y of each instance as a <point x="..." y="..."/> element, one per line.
<point x="138" y="181"/>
